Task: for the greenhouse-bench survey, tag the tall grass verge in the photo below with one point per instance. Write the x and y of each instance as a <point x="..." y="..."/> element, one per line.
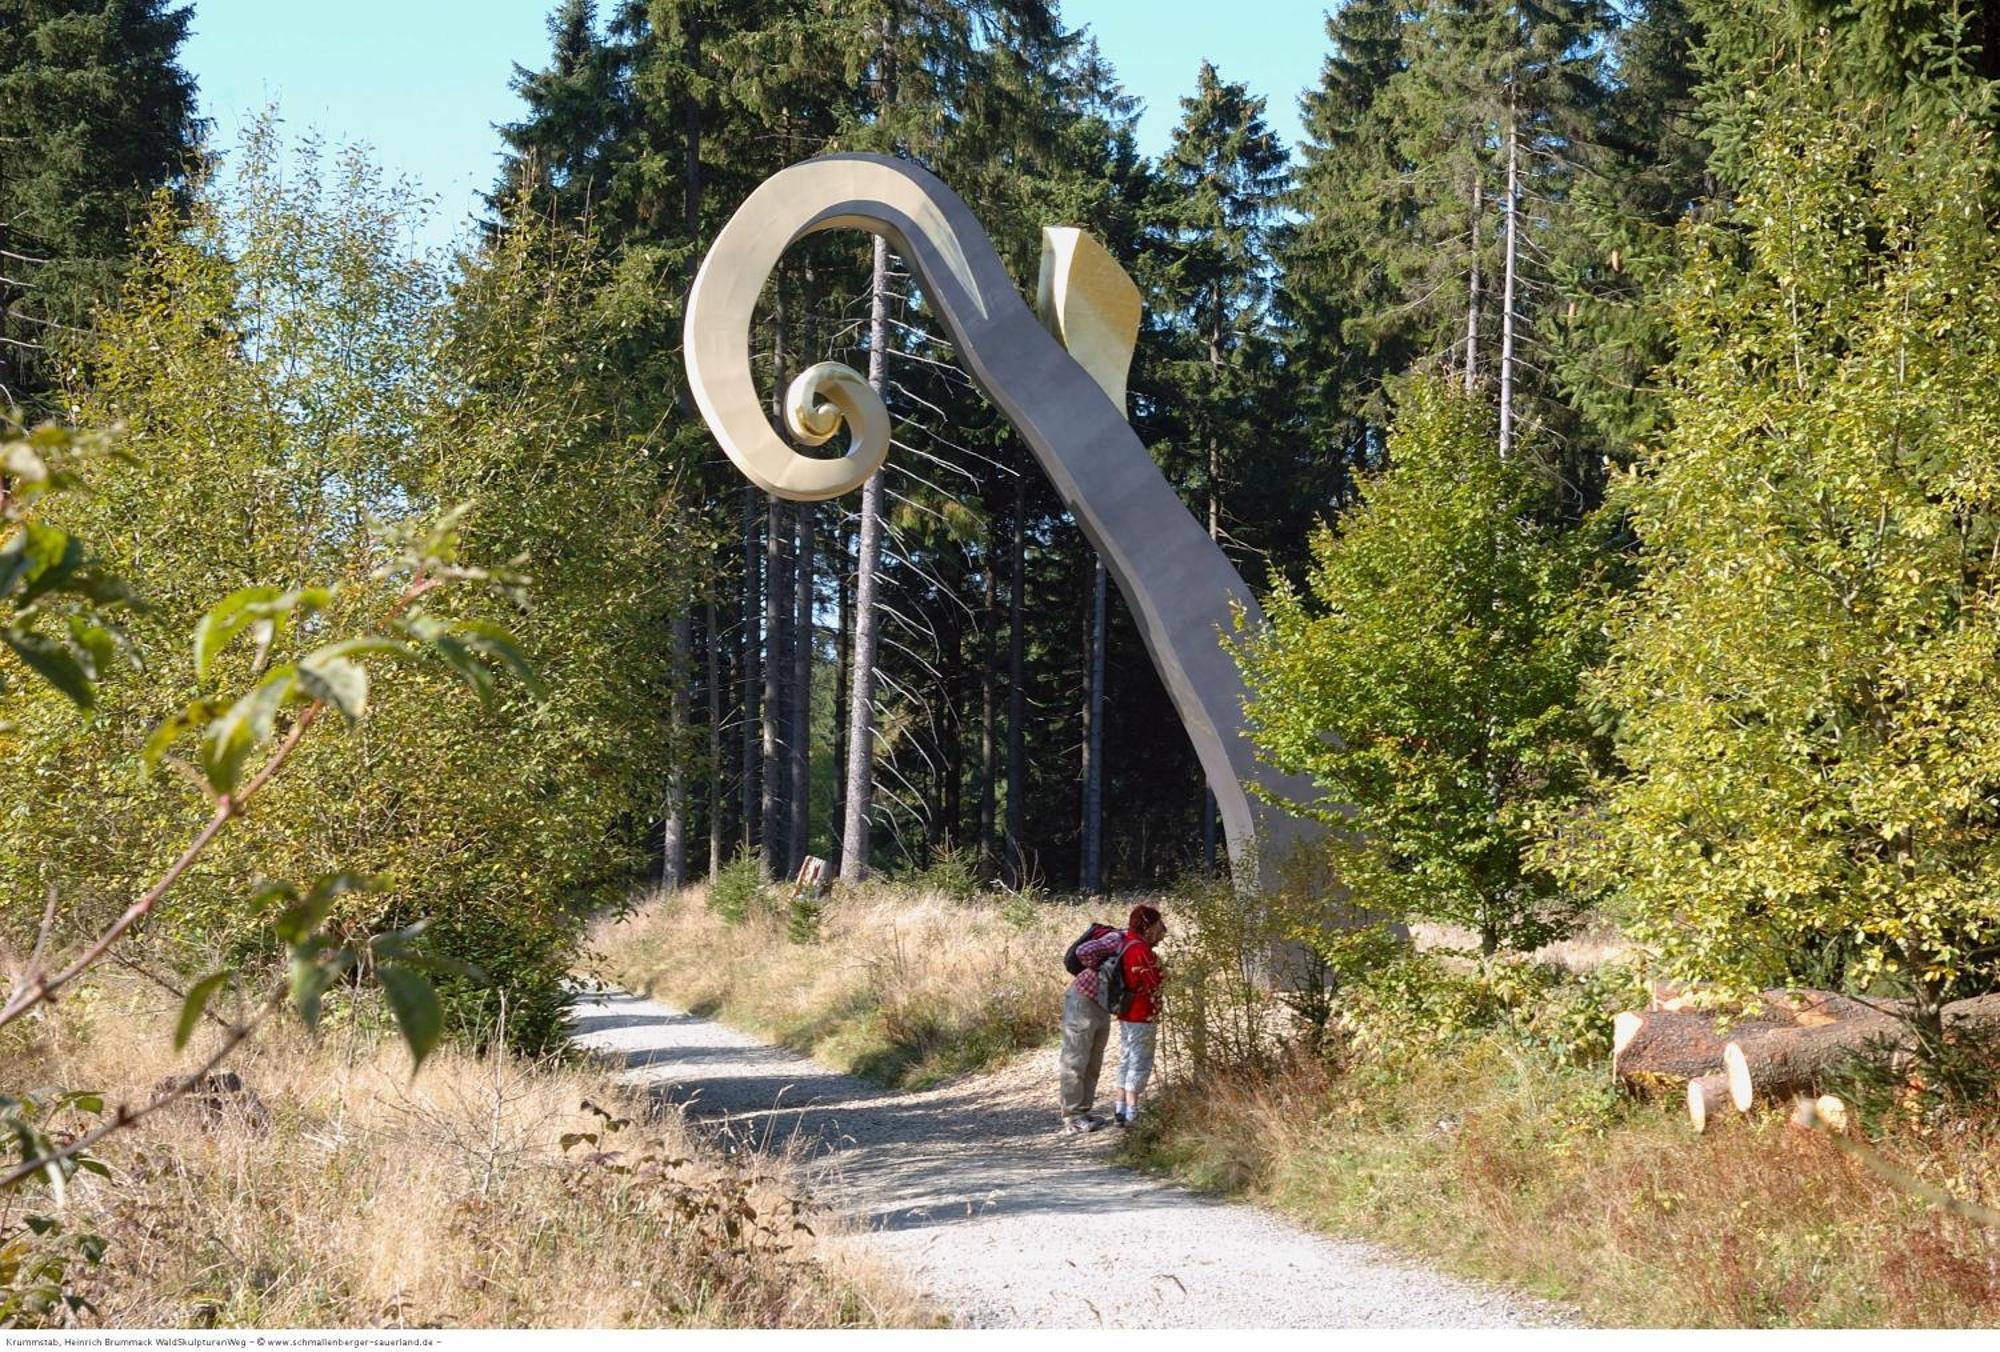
<point x="1486" y="1157"/>
<point x="488" y="1191"/>
<point x="904" y="986"/>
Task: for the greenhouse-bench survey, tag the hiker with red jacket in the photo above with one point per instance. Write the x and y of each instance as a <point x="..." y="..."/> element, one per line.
<point x="1136" y="1027"/>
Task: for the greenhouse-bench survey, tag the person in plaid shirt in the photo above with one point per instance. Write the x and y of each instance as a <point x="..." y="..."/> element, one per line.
<point x="1086" y="1027"/>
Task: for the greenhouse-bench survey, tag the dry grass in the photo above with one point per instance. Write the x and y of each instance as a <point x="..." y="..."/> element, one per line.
<point x="1593" y="946"/>
<point x="901" y="986"/>
<point x="375" y="1200"/>
<point x="1501" y="1167"/>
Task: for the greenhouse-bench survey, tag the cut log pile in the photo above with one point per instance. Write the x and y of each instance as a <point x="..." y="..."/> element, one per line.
<point x="1783" y="1044"/>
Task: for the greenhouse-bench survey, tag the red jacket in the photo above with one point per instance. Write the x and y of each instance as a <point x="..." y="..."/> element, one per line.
<point x="1142" y="978"/>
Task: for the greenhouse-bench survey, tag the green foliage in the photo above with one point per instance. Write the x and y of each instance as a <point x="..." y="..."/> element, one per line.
<point x="1618" y="247"/>
<point x="805" y="918"/>
<point x="1020" y="911"/>
<point x="1395" y="264"/>
<point x="1948" y="1074"/>
<point x="1409" y="1004"/>
<point x="1429" y="686"/>
<point x="97" y="115"/>
<point x="739" y="889"/>
<point x="951" y="873"/>
<point x="1419" y="1004"/>
<point x="1216" y="1006"/>
<point x="42" y="1252"/>
<point x="292" y="379"/>
<point x="1804" y="682"/>
<point x="58" y="610"/>
<point x="45" y="562"/>
<point x="1222" y="180"/>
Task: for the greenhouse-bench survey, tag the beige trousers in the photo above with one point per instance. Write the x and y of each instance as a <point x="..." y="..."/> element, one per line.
<point x="1086" y="1027"/>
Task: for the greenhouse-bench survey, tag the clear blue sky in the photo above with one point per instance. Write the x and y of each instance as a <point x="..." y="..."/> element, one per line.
<point x="425" y="81"/>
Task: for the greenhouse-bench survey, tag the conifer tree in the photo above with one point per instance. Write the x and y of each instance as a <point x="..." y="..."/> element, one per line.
<point x="565" y="146"/>
<point x="1350" y="200"/>
<point x="1445" y="142"/>
<point x="96" y="115"/>
<point x="1222" y="182"/>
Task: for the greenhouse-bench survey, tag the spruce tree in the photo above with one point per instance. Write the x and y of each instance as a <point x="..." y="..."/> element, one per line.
<point x="1349" y="199"/>
<point x="1445" y="142"/>
<point x="1618" y="250"/>
<point x="1223" y="179"/>
<point x="96" y="115"/>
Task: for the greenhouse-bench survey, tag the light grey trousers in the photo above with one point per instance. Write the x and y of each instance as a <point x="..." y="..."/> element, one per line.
<point x="1086" y="1027"/>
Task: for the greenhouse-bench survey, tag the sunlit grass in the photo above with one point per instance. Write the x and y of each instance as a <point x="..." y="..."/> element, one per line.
<point x="361" y="1197"/>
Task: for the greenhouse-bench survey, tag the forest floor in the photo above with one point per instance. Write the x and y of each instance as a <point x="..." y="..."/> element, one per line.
<point x="968" y="1189"/>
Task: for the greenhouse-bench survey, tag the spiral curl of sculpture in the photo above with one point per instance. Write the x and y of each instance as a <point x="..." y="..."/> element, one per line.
<point x="1057" y="373"/>
<point x="820" y="399"/>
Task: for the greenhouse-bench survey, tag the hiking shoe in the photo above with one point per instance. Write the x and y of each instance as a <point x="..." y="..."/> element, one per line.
<point x="1124" y="1119"/>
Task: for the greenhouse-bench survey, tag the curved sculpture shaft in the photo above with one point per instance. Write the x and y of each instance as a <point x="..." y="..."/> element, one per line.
<point x="1180" y="587"/>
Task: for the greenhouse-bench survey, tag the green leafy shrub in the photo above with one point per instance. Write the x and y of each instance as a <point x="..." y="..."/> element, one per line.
<point x="1427" y="680"/>
<point x="1572" y="1024"/>
<point x="247" y="725"/>
<point x="1019" y="911"/>
<point x="296" y="390"/>
<point x="805" y="917"/>
<point x="1217" y="1007"/>
<point x="1408" y="1003"/>
<point x="1416" y="1003"/>
<point x="45" y="1257"/>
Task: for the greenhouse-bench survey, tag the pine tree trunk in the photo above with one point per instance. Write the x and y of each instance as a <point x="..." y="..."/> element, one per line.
<point x="16" y="343"/>
<point x="1017" y="696"/>
<point x="1208" y="817"/>
<point x="715" y="786"/>
<point x="867" y="616"/>
<point x="674" y="832"/>
<point x="1091" y="880"/>
<point x="953" y="823"/>
<point x="1472" y="305"/>
<point x="691" y="138"/>
<point x="776" y="669"/>
<point x="802" y="664"/>
<point x="989" y="748"/>
<point x="837" y="810"/>
<point x="747" y="662"/>
<point x="1507" y="290"/>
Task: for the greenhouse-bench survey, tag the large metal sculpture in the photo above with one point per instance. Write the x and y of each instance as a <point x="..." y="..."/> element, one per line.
<point x="1059" y="379"/>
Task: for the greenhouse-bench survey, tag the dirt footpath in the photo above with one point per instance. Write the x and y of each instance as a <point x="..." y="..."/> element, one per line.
<point x="998" y="1219"/>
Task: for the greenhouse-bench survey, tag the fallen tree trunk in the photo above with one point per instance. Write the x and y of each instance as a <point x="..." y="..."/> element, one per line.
<point x="1777" y="1064"/>
<point x="1660" y="1050"/>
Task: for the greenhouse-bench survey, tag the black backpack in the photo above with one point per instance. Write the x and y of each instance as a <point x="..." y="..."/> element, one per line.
<point x="1071" y="962"/>
<point x="1112" y="995"/>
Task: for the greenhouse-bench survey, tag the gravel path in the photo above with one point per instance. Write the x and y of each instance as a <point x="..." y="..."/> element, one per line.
<point x="1006" y="1224"/>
